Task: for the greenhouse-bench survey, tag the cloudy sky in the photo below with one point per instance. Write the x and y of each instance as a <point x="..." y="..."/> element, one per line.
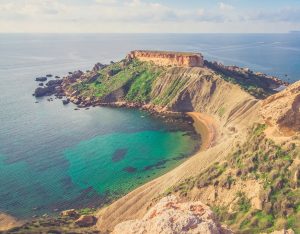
<point x="149" y="16"/>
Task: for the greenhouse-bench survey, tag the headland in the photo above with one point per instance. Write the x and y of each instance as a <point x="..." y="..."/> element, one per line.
<point x="248" y="168"/>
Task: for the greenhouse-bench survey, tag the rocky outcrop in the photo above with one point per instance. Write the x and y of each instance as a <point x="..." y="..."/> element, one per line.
<point x="98" y="66"/>
<point x="246" y="75"/>
<point x="170" y="215"/>
<point x="42" y="79"/>
<point x="52" y="87"/>
<point x="69" y="213"/>
<point x="282" y="110"/>
<point x="86" y="220"/>
<point x="164" y="58"/>
<point x="7" y="222"/>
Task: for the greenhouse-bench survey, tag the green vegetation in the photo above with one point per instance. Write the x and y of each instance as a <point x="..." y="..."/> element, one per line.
<point x="86" y="211"/>
<point x="252" y="86"/>
<point x="243" y="202"/>
<point x="221" y="111"/>
<point x="259" y="158"/>
<point x="141" y="87"/>
<point x="172" y="90"/>
<point x="135" y="78"/>
<point x="258" y="129"/>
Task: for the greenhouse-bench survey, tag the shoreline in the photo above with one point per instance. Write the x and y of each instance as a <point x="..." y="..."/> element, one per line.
<point x="200" y="126"/>
<point x="141" y="198"/>
<point x="204" y="125"/>
<point x="8" y="222"/>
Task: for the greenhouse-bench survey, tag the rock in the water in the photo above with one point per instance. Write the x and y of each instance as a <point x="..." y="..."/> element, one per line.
<point x="49" y="75"/>
<point x="86" y="220"/>
<point x="41" y="84"/>
<point x="69" y="213"/>
<point x="42" y="79"/>
<point x="171" y="216"/>
<point x="57" y="77"/>
<point x="52" y="87"/>
<point x="65" y="102"/>
<point x="54" y="82"/>
<point x="39" y="92"/>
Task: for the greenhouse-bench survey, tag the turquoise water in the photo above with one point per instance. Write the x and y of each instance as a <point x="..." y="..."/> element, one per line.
<point x="146" y="153"/>
<point x="53" y="157"/>
<point x="84" y="158"/>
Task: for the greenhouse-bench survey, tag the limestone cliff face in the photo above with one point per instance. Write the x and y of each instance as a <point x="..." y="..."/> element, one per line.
<point x="282" y="110"/>
<point x="163" y="58"/>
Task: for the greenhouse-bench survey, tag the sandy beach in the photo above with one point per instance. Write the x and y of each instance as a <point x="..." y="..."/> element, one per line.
<point x="205" y="126"/>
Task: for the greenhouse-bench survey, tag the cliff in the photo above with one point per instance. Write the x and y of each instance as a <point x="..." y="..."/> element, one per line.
<point x="247" y="172"/>
<point x="164" y="58"/>
<point x="282" y="110"/>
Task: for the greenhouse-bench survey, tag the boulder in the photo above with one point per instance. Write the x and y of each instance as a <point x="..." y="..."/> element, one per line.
<point x="86" y="220"/>
<point x="69" y="213"/>
<point x="49" y="75"/>
<point x="42" y="79"/>
<point x="72" y="77"/>
<point x="98" y="66"/>
<point x="40" y="91"/>
<point x="54" y="82"/>
<point x="41" y="84"/>
<point x="65" y="102"/>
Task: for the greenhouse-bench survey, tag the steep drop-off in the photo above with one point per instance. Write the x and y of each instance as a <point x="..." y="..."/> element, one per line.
<point x="165" y="58"/>
<point x="248" y="170"/>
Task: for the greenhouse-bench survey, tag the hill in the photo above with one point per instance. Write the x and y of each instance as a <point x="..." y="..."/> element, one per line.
<point x="248" y="168"/>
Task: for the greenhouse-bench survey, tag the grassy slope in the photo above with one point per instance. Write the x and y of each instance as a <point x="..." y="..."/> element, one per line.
<point x="137" y="76"/>
<point x="250" y="86"/>
<point x="270" y="164"/>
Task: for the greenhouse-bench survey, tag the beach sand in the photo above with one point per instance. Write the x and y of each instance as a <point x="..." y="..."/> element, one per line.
<point x="206" y="127"/>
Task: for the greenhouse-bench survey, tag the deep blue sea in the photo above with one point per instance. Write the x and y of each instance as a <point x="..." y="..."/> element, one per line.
<point x="53" y="157"/>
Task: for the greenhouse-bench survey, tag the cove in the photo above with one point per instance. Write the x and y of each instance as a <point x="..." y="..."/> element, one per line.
<point x="85" y="158"/>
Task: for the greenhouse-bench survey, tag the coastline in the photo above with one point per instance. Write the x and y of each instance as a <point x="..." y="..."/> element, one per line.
<point x="197" y="121"/>
<point x="137" y="202"/>
<point x="204" y="125"/>
<point x="8" y="222"/>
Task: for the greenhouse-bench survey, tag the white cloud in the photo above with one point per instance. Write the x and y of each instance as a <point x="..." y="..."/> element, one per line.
<point x="225" y="7"/>
<point x="137" y="16"/>
<point x="106" y="1"/>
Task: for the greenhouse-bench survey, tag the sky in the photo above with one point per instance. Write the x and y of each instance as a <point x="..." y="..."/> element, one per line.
<point x="149" y="16"/>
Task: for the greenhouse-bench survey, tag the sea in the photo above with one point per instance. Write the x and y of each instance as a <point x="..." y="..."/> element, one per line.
<point x="53" y="157"/>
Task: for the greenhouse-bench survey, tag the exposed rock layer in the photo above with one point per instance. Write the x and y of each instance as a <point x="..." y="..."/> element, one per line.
<point x="164" y="58"/>
<point x="283" y="109"/>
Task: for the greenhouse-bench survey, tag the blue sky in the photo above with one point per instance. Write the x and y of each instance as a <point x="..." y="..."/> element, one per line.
<point x="185" y="16"/>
